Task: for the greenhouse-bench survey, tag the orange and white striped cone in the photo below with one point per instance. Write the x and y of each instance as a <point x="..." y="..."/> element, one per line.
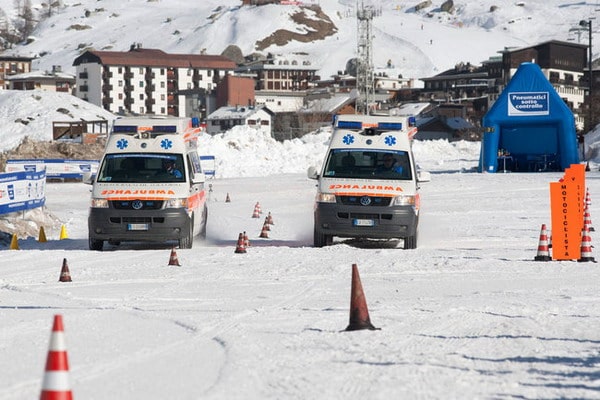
<point x="246" y="240"/>
<point x="227" y="199"/>
<point x="257" y="206"/>
<point x="586" y="246"/>
<point x="173" y="260"/>
<point x="240" y="248"/>
<point x="266" y="224"/>
<point x="264" y="233"/>
<point x="543" y="251"/>
<point x="55" y="385"/>
<point x="65" y="274"/>
<point x="270" y="219"/>
<point x="588" y="199"/>
<point x="587" y="220"/>
<point x="256" y="212"/>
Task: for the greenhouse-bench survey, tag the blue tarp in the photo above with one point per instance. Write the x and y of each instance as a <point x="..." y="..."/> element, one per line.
<point x="529" y="128"/>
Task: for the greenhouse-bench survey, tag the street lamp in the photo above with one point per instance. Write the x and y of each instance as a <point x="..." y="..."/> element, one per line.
<point x="588" y="25"/>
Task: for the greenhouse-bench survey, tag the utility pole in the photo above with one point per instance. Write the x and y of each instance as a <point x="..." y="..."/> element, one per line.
<point x="588" y="25"/>
<point x="364" y="67"/>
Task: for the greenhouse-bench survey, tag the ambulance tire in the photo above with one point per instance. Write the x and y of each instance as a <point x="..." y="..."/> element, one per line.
<point x="95" y="245"/>
<point x="187" y="241"/>
<point x="410" y="242"/>
<point x="321" y="240"/>
<point x="202" y="233"/>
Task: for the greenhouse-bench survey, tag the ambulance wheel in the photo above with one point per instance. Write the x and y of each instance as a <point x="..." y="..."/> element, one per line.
<point x="320" y="239"/>
<point x="187" y="241"/>
<point x="95" y="244"/>
<point x="410" y="242"/>
<point x="202" y="233"/>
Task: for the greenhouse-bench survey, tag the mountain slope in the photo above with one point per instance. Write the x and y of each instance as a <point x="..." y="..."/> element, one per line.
<point x="417" y="42"/>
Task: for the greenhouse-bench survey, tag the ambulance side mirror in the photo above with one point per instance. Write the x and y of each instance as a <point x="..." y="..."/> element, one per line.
<point x="423" y="176"/>
<point x="312" y="173"/>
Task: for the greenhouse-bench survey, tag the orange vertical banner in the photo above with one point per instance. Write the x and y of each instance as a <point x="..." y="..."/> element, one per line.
<point x="566" y="204"/>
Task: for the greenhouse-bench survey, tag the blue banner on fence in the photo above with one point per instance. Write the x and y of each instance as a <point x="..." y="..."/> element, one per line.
<point x="22" y="190"/>
<point x="55" y="168"/>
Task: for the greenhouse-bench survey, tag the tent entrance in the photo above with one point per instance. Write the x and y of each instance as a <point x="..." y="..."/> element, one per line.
<point x="529" y="148"/>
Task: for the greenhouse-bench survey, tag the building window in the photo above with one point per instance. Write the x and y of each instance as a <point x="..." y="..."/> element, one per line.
<point x="189" y="72"/>
<point x="209" y="73"/>
<point x="162" y="96"/>
<point x="142" y="110"/>
<point x="162" y="85"/>
<point x="189" y="85"/>
<point x="209" y="86"/>
<point x="141" y="96"/>
<point x="162" y="71"/>
<point x="142" y="71"/>
<point x="162" y="110"/>
<point x="141" y="83"/>
<point x="120" y="70"/>
<point x="120" y="96"/>
<point x="120" y="83"/>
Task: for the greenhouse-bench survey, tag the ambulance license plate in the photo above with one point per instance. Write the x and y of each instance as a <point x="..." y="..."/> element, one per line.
<point x="363" y="222"/>
<point x="137" y="227"/>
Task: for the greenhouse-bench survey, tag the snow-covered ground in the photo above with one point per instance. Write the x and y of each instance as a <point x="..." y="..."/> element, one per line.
<point x="468" y="314"/>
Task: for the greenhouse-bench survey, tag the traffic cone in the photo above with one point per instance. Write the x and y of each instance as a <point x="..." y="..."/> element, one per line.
<point x="266" y="224"/>
<point x="14" y="242"/>
<point x="42" y="235"/>
<point x="543" y="251"/>
<point x="270" y="219"/>
<point x="65" y="275"/>
<point x="264" y="233"/>
<point x="227" y="199"/>
<point x="55" y="385"/>
<point x="173" y="258"/>
<point x="257" y="206"/>
<point x="256" y="212"/>
<point x="63" y="233"/>
<point x="246" y="240"/>
<point x="587" y="220"/>
<point x="240" y="248"/>
<point x="587" y="166"/>
<point x="359" y="314"/>
<point x="588" y="199"/>
<point x="586" y="246"/>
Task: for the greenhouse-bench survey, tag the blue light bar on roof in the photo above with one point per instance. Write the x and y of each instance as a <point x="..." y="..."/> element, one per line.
<point x="124" y="128"/>
<point x="164" y="128"/>
<point x="349" y="124"/>
<point x="390" y="126"/>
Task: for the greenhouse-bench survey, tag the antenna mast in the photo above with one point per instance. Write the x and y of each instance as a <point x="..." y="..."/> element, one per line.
<point x="364" y="67"/>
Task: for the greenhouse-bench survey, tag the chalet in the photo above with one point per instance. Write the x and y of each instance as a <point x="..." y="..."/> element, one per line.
<point x="227" y="117"/>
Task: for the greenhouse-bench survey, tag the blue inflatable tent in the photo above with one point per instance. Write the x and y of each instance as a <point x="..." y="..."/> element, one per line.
<point x="529" y="128"/>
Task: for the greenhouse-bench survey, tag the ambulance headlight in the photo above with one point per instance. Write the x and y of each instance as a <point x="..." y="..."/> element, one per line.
<point x="176" y="203"/>
<point x="325" y="198"/>
<point x="99" y="203"/>
<point x="403" y="201"/>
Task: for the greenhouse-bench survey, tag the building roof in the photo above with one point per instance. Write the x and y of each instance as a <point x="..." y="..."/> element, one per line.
<point x="41" y="75"/>
<point x="138" y="56"/>
<point x="233" y="112"/>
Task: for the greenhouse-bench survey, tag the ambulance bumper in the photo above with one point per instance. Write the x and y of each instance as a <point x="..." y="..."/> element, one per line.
<point x="366" y="222"/>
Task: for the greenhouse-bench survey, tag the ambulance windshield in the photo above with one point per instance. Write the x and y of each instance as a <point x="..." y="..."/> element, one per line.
<point x="142" y="168"/>
<point x="368" y="164"/>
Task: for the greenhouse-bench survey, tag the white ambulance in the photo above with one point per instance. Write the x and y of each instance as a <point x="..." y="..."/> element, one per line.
<point x="149" y="185"/>
<point x="368" y="185"/>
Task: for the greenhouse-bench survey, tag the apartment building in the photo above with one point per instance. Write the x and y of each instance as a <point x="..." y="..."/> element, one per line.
<point x="13" y="65"/>
<point x="147" y="81"/>
<point x="281" y="74"/>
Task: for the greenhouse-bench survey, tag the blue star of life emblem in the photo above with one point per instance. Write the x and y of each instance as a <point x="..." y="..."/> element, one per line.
<point x="122" y="143"/>
<point x="348" y="139"/>
<point x="166" y="144"/>
<point x="390" y="140"/>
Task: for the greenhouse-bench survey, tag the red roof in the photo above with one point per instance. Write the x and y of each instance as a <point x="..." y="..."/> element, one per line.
<point x="154" y="58"/>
